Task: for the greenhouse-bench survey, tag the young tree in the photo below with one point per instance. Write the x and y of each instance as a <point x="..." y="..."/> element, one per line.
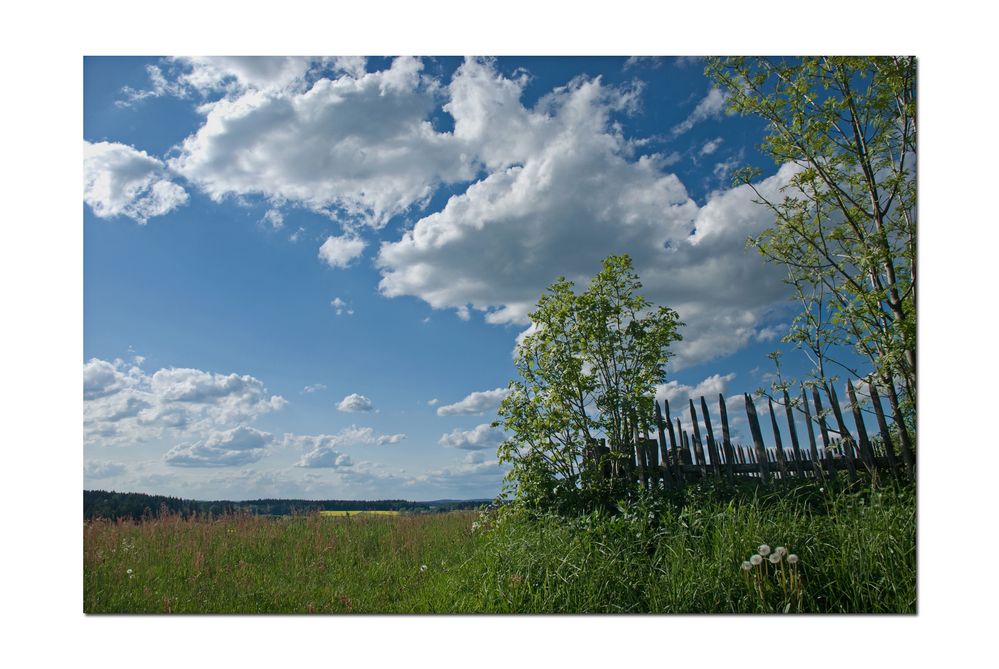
<point x="588" y="371"/>
<point x="845" y="226"/>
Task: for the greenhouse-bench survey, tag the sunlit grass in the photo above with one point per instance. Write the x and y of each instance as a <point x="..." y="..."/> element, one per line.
<point x="853" y="553"/>
<point x="348" y="514"/>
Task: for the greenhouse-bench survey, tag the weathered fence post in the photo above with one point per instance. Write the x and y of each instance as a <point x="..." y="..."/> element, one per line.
<point x="866" y="452"/>
<point x="638" y="448"/>
<point x="795" y="448"/>
<point x="712" y="446"/>
<point x="813" y="451"/>
<point x="754" y="427"/>
<point x="883" y="428"/>
<point x="847" y="439"/>
<point x="824" y="431"/>
<point x="726" y="438"/>
<point x="781" y="460"/>
<point x="663" y="447"/>
<point x="698" y="450"/>
<point x="673" y="442"/>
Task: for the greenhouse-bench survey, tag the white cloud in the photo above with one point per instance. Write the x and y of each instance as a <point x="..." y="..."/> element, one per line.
<point x="432" y="402"/>
<point x="340" y="251"/>
<point x="711" y="146"/>
<point x="354" y="402"/>
<point x="711" y="106"/>
<point x="341" y="307"/>
<point x="478" y="438"/>
<point x="274" y="218"/>
<point x="564" y="194"/>
<point x="314" y="388"/>
<point x="478" y="402"/>
<point x="324" y="457"/>
<point x="679" y="394"/>
<point x="238" y="446"/>
<point x="321" y="450"/>
<point x="378" y="154"/>
<point x="121" y="181"/>
<point x="125" y="405"/>
<point x="235" y="74"/>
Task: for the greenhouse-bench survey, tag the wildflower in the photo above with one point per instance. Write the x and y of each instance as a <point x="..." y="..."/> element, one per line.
<point x="764" y="550"/>
<point x="423" y="568"/>
<point x="792" y="559"/>
<point x="775" y="558"/>
<point x="755" y="560"/>
<point x="747" y="565"/>
<point x="780" y="550"/>
<point x="129" y="572"/>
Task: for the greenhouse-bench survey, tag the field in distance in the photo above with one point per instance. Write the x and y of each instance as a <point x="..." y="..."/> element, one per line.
<point x="343" y="514"/>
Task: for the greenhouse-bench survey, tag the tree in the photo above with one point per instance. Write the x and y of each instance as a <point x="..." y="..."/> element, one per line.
<point x="845" y="226"/>
<point x="588" y="370"/>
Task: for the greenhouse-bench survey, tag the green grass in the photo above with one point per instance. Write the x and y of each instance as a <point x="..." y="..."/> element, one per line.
<point x="856" y="550"/>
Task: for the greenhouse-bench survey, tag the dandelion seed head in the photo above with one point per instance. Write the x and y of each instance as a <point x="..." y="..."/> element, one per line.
<point x="423" y="567"/>
<point x="755" y="560"/>
<point x="780" y="550"/>
<point x="129" y="571"/>
<point x="764" y="550"/>
<point x="775" y="558"/>
<point x="747" y="565"/>
<point x="792" y="559"/>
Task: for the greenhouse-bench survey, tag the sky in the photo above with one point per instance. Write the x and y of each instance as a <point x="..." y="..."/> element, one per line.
<point x="305" y="277"/>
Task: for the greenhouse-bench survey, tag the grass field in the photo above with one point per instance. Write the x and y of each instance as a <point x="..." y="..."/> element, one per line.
<point x="348" y="514"/>
<point x="856" y="553"/>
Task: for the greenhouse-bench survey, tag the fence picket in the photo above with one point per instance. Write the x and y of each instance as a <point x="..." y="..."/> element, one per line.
<point x="754" y="427"/>
<point x="713" y="450"/>
<point x="779" y="454"/>
<point x="883" y="428"/>
<point x="847" y="441"/>
<point x="866" y="452"/>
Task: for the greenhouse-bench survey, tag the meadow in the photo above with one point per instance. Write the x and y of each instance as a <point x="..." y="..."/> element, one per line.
<point x="855" y="553"/>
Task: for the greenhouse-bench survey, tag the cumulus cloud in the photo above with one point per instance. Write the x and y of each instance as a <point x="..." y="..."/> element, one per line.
<point x="314" y="388"/>
<point x="340" y="251"/>
<point x="711" y="106"/>
<point x="354" y="402"/>
<point x="378" y="154"/>
<point x="478" y="403"/>
<point x="123" y="404"/>
<point x="679" y="394"/>
<point x="321" y="449"/>
<point x="238" y="446"/>
<point x="341" y="307"/>
<point x="565" y="193"/>
<point x="711" y="146"/>
<point x="478" y="438"/>
<point x="121" y="181"/>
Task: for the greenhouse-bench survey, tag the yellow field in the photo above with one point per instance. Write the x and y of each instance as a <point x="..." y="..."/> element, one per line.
<point x="341" y="514"/>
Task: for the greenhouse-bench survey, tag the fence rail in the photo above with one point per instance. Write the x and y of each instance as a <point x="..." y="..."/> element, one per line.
<point x="674" y="454"/>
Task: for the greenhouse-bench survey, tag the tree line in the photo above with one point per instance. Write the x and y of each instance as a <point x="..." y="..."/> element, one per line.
<point x="136" y="506"/>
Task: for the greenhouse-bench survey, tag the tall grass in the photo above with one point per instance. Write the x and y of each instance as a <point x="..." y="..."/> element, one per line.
<point x="856" y="554"/>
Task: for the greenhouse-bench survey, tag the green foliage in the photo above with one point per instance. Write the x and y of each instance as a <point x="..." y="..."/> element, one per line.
<point x="845" y="225"/>
<point x="587" y="371"/>
<point x="656" y="554"/>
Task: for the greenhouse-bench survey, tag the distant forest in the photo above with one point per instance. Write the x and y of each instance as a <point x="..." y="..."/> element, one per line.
<point x="136" y="506"/>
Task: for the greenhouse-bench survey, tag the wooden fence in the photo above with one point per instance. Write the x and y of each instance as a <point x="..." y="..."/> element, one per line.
<point x="675" y="454"/>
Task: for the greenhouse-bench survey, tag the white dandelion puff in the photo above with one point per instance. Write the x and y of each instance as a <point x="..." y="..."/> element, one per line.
<point x="423" y="568"/>
<point x="775" y="558"/>
<point x="747" y="565"/>
<point x="792" y="559"/>
<point x="764" y="550"/>
<point x="780" y="550"/>
<point x="755" y="560"/>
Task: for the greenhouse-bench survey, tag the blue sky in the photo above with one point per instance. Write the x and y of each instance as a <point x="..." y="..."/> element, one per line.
<point x="306" y="277"/>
